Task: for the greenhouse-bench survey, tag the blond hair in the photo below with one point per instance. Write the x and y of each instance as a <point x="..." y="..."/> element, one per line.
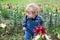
<point x="32" y="7"/>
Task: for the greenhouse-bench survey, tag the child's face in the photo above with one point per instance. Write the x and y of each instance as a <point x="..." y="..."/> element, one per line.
<point x="32" y="14"/>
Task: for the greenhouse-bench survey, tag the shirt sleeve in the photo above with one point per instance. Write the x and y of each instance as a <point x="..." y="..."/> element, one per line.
<point x="24" y="22"/>
<point x="42" y="22"/>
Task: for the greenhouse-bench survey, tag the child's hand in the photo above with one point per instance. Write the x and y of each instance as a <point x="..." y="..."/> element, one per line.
<point x="24" y="28"/>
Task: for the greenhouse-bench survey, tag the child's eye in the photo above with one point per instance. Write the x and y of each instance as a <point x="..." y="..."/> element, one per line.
<point x="33" y="12"/>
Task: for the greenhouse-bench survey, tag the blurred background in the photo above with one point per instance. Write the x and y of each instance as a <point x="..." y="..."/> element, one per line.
<point x="13" y="11"/>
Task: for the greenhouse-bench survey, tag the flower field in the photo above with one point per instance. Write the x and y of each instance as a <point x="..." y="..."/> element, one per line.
<point x="13" y="11"/>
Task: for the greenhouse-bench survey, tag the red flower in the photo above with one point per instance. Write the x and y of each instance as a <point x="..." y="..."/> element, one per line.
<point x="40" y="29"/>
<point x="43" y="30"/>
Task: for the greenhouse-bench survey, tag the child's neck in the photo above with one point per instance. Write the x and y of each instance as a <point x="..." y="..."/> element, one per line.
<point x="33" y="17"/>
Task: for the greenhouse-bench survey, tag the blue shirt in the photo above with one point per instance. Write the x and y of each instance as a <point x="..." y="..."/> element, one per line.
<point x="31" y="23"/>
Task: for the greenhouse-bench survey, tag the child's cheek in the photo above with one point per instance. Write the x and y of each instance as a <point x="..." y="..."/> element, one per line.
<point x="36" y="14"/>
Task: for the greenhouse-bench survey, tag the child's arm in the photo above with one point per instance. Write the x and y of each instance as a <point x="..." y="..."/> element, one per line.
<point x="42" y="22"/>
<point x="24" y="23"/>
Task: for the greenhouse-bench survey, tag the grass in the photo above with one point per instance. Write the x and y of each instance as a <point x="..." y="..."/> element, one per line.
<point x="22" y="3"/>
<point x="25" y="2"/>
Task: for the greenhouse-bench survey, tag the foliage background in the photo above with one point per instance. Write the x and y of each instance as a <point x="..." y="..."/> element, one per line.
<point x="12" y="17"/>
